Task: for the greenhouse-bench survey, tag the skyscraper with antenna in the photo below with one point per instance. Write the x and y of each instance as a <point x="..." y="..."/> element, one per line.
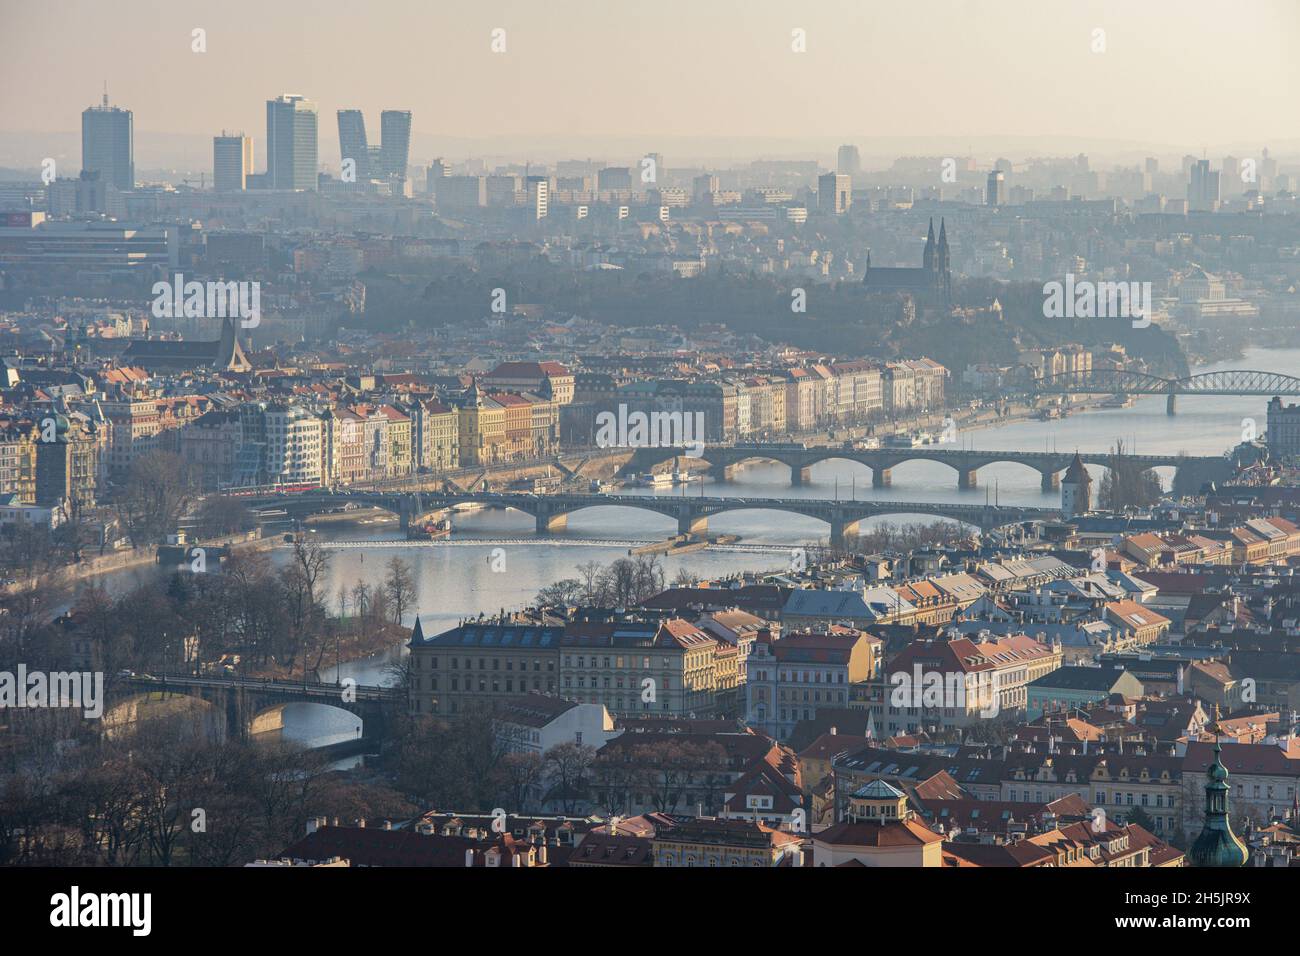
<point x="108" y="143"/>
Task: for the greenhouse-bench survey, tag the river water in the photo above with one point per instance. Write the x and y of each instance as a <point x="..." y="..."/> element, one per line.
<point x="456" y="579"/>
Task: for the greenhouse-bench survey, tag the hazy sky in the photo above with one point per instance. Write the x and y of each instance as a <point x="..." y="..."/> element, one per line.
<point x="1179" y="73"/>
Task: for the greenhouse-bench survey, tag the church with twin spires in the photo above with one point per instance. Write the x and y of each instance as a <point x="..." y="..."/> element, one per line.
<point x="932" y="281"/>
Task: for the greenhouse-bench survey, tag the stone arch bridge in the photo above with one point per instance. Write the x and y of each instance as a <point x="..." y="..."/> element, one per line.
<point x="253" y="706"/>
<point x="1191" y="473"/>
<point x="551" y="511"/>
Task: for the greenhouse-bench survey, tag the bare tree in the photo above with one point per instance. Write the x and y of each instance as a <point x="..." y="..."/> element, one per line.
<point x="361" y="598"/>
<point x="304" y="602"/>
<point x="563" y="593"/>
<point x="685" y="578"/>
<point x="399" y="588"/>
<point x="566" y="769"/>
<point x="591" y="574"/>
<point x="522" y="774"/>
<point x="153" y="497"/>
<point x="219" y="515"/>
<point x="1126" y="484"/>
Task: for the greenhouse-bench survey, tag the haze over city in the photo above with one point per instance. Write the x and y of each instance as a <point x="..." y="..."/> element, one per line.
<point x="732" y="435"/>
<point x="702" y="80"/>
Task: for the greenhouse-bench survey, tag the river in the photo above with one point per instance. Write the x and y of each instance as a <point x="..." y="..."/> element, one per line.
<point x="456" y="579"/>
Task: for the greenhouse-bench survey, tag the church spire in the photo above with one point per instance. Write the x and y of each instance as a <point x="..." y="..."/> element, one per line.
<point x="1217" y="845"/>
<point x="927" y="261"/>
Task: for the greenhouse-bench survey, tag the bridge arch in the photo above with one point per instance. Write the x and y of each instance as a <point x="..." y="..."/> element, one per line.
<point x="137" y="706"/>
<point x="1104" y="381"/>
<point x="839" y="454"/>
<point x="312" y="723"/>
<point x="1240" y="382"/>
<point x="560" y="519"/>
<point x="881" y="464"/>
<point x="1220" y="382"/>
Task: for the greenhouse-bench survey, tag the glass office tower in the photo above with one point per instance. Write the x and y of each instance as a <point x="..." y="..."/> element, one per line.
<point x="291" y="142"/>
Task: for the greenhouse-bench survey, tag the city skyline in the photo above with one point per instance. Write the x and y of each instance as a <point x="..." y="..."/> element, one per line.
<point x="906" y="84"/>
<point x="848" y="434"/>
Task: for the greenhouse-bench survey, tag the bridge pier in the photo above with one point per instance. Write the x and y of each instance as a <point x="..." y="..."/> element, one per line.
<point x="966" y="479"/>
<point x="800" y="476"/>
<point x="547" y="523"/>
<point x="693" y="524"/>
<point x="722" y="472"/>
<point x="840" y="529"/>
<point x="268" y="720"/>
<point x="881" y="477"/>
<point x="236" y="725"/>
<point x="1051" y="481"/>
<point x="1171" y="405"/>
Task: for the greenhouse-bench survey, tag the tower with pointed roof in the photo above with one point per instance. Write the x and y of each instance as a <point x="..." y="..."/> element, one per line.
<point x="1217" y="845"/>
<point x="230" y="354"/>
<point x="932" y="282"/>
<point x="1076" y="489"/>
<point x="941" y="262"/>
<point x="473" y="396"/>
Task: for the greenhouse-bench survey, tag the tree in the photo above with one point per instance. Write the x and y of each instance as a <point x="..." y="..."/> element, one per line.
<point x="399" y="588"/>
<point x="563" y="593"/>
<point x="648" y="576"/>
<point x="591" y="574"/>
<point x="566" y="770"/>
<point x="1126" y="484"/>
<point x="153" y="497"/>
<point x="361" y="599"/>
<point x="685" y="578"/>
<point x="620" y="582"/>
<point x="908" y="537"/>
<point x="303" y="587"/>
<point x="219" y="515"/>
<point x="522" y="776"/>
<point x="666" y="765"/>
<point x="98" y="621"/>
<point x="1141" y="818"/>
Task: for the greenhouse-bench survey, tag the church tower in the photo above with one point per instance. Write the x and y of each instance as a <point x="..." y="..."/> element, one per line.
<point x="1217" y="845"/>
<point x="1076" y="489"/>
<point x="941" y="264"/>
<point x="927" y="260"/>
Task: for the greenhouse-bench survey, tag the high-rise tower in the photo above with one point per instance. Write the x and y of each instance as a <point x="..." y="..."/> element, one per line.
<point x="232" y="161"/>
<point x="395" y="142"/>
<point x="352" y="143"/>
<point x="108" y="144"/>
<point x="291" y="142"/>
<point x="388" y="160"/>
